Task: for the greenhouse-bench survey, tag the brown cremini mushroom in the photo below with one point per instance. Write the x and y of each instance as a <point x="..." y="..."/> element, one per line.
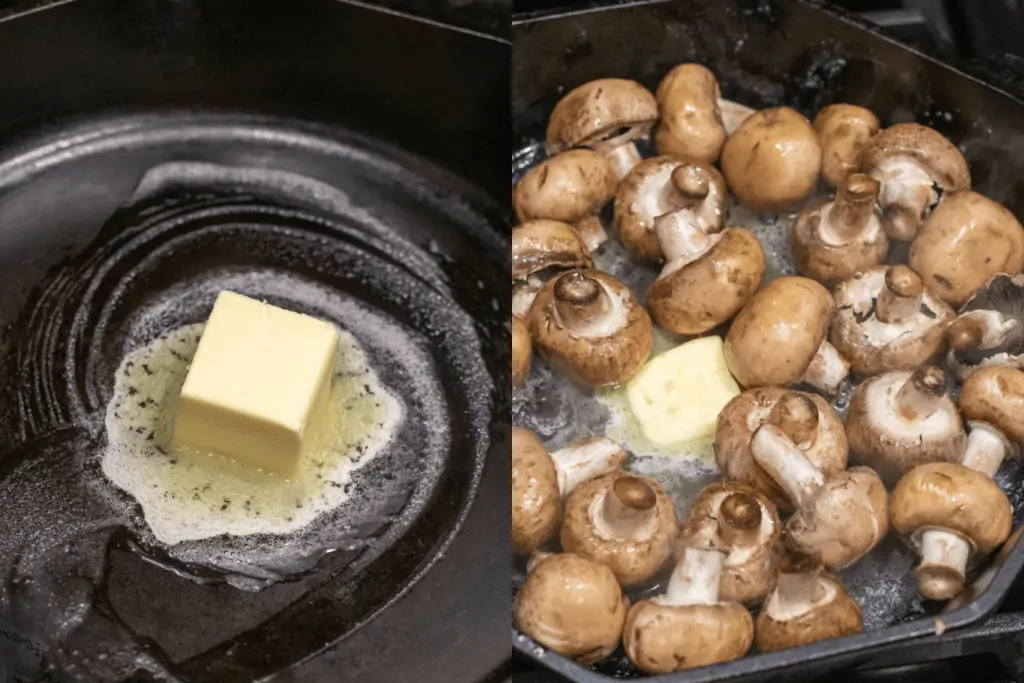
<point x="606" y="115"/>
<point x="949" y="512"/>
<point x="992" y="401"/>
<point x="522" y="351"/>
<point x="990" y="328"/>
<point x="772" y="162"/>
<point x="571" y="187"/>
<point x="540" y="480"/>
<point x="573" y="606"/>
<point x="690" y="625"/>
<point x="778" y="338"/>
<point x="841" y="238"/>
<point x="819" y="435"/>
<point x="886" y="320"/>
<point x="588" y="326"/>
<point x="623" y="521"/>
<point x="967" y="239"/>
<point x="903" y="419"/>
<point x="844" y="130"/>
<point x="916" y="166"/>
<point x="808" y="606"/>
<point x="541" y="249"/>
<point x="690" y="123"/>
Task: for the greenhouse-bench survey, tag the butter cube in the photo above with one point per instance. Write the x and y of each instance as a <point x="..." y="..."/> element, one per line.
<point x="258" y="388"/>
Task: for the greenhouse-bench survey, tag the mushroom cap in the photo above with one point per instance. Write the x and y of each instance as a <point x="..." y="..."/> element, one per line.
<point x="772" y="161"/>
<point x="844" y="130"/>
<point x="595" y="361"/>
<point x="843" y="520"/>
<point x="660" y="639"/>
<point x="647" y="192"/>
<point x="776" y="335"/>
<point x="748" y="573"/>
<point x="522" y="351"/>
<point x="633" y="561"/>
<point x="996" y="395"/>
<point x="741" y="417"/>
<point x="536" y="501"/>
<point x="573" y="606"/>
<point x="567" y="187"/>
<point x="891" y="445"/>
<point x="873" y="346"/>
<point x="945" y="495"/>
<point x="691" y="123"/>
<point x="934" y="153"/>
<point x="835" y="614"/>
<point x="593" y="111"/>
<point x="966" y="240"/>
<point x="1005" y="294"/>
<point x="541" y="244"/>
<point x="707" y="292"/>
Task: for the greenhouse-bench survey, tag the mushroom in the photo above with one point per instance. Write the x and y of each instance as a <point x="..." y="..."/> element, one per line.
<point x="743" y="523"/>
<point x="990" y="328"/>
<point x="733" y="114"/>
<point x="808" y="606"/>
<point x="992" y="400"/>
<point x="540" y="249"/>
<point x="573" y="606"/>
<point x="691" y="624"/>
<point x="844" y="130"/>
<point x="690" y="120"/>
<point x="949" y="512"/>
<point x="886" y="320"/>
<point x="606" y="115"/>
<point x="916" y="167"/>
<point x="623" y="521"/>
<point x="540" y="480"/>
<point x="843" y="237"/>
<point x="967" y="239"/>
<point x="779" y="338"/>
<point x="571" y="187"/>
<point x="903" y="419"/>
<point x="522" y="351"/>
<point x="590" y="327"/>
<point x="819" y="435"/>
<point x="838" y="519"/>
<point x="706" y="278"/>
<point x="772" y="161"/>
<point x="650" y="191"/>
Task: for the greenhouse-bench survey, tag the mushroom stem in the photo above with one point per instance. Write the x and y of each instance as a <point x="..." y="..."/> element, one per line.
<point x="681" y="237"/>
<point x="852" y="209"/>
<point x="798" y="583"/>
<point x="921" y="394"/>
<point x="627" y="509"/>
<point x="622" y="157"/>
<point x="979" y="329"/>
<point x="944" y="555"/>
<point x="592" y="232"/>
<point x="584" y="460"/>
<point x="585" y="308"/>
<point x="827" y="370"/>
<point x="986" y="448"/>
<point x="782" y="460"/>
<point x="797" y="416"/>
<point x="906" y="194"/>
<point x="900" y="298"/>
<point x="739" y="520"/>
<point x="695" y="579"/>
<point x="733" y="114"/>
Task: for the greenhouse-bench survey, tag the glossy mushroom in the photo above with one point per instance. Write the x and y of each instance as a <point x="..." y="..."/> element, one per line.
<point x="886" y="320"/>
<point x="573" y="606"/>
<point x="967" y="239"/>
<point x="606" y="115"/>
<point x="690" y="122"/>
<point x="990" y="327"/>
<point x="588" y="326"/>
<point x="949" y="512"/>
<point x="844" y="130"/>
<point x="778" y="338"/>
<point x="690" y="625"/>
<point x="843" y="237"/>
<point x="522" y="351"/>
<point x="916" y="166"/>
<point x="818" y="434"/>
<point x="903" y="419"/>
<point x="772" y="162"/>
<point x="992" y="402"/>
<point x="541" y="249"/>
<point x="623" y="521"/>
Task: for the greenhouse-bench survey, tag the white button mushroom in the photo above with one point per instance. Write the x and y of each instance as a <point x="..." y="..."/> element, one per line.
<point x="902" y="419"/>
<point x="843" y="237"/>
<point x="690" y="625"/>
<point x="623" y="521"/>
<point x="990" y="328"/>
<point x="887" y="321"/>
<point x="992" y="400"/>
<point x="572" y="606"/>
<point x="540" y="249"/>
<point x="949" y="512"/>
<point x="690" y="124"/>
<point x="606" y="115"/>
<point x="522" y="351"/>
<point x="844" y="130"/>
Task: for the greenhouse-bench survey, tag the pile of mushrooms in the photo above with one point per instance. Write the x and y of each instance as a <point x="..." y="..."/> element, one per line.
<point x="805" y="491"/>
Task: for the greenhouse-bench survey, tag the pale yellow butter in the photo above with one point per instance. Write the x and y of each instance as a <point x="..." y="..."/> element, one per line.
<point x="258" y="388"/>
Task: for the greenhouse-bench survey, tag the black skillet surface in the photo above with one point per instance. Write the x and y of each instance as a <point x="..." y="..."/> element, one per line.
<point x="205" y="100"/>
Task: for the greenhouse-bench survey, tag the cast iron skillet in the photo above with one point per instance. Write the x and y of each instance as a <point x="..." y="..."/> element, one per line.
<point x="316" y="142"/>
